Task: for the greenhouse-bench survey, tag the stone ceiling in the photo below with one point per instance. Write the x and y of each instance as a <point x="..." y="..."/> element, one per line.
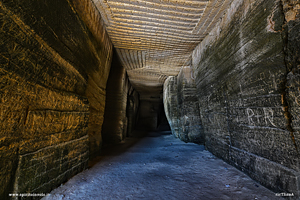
<point x="155" y="38"/>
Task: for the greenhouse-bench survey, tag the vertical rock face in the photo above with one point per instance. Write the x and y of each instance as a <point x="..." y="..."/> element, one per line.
<point x="182" y="108"/>
<point x="97" y="67"/>
<point x="121" y="105"/>
<point x="190" y="128"/>
<point x="171" y="104"/>
<point x="53" y="73"/>
<point x="246" y="74"/>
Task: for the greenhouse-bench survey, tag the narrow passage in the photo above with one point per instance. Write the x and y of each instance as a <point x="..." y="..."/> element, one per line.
<point x="160" y="167"/>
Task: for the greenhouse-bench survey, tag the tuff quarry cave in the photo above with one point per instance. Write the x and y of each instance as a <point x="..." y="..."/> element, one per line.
<point x="150" y="99"/>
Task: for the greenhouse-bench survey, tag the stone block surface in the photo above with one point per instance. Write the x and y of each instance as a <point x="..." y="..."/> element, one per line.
<point x="182" y="107"/>
<point x="121" y="106"/>
<point x="246" y="78"/>
<point x="54" y="65"/>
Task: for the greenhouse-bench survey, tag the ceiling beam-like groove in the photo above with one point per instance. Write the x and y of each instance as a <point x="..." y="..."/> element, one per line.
<point x="211" y="8"/>
<point x="170" y="19"/>
<point x="144" y="58"/>
<point x="133" y="25"/>
<point x="212" y="14"/>
<point x="178" y="4"/>
<point x="121" y="33"/>
<point x="123" y="59"/>
<point x="186" y="27"/>
<point x="144" y="42"/>
<point x="136" y="5"/>
<point x="155" y="38"/>
<point x="122" y="28"/>
<point x="104" y="10"/>
<point x="158" y="22"/>
<point x="127" y="54"/>
<point x="154" y="48"/>
<point x="122" y="12"/>
<point x="217" y="16"/>
<point x="139" y="54"/>
<point x="131" y="8"/>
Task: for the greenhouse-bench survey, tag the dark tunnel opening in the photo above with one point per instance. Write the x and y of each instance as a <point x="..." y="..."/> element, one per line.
<point x="125" y="114"/>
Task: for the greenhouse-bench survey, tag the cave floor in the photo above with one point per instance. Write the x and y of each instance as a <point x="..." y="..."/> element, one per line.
<point x="159" y="167"/>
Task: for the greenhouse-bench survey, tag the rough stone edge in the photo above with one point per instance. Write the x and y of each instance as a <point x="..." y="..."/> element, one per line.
<point x="196" y="57"/>
<point x="272" y="170"/>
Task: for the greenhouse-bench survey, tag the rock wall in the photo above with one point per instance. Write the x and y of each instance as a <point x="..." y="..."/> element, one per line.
<point x="182" y="107"/>
<point x="246" y="73"/>
<point x="54" y="62"/>
<point x="122" y="103"/>
<point x="170" y="99"/>
<point x="96" y="65"/>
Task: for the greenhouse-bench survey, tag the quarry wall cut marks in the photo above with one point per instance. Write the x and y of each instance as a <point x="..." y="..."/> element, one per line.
<point x="239" y="95"/>
<point x="182" y="108"/>
<point x="54" y="67"/>
<point x="246" y="75"/>
<point x="246" y="107"/>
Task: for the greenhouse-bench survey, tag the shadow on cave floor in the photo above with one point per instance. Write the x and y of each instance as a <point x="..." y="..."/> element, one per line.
<point x="161" y="167"/>
<point x="122" y="147"/>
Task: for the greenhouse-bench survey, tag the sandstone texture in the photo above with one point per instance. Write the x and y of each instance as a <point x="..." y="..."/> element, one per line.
<point x="122" y="102"/>
<point x="54" y="68"/>
<point x="76" y="75"/>
<point x="171" y="104"/>
<point x="182" y="107"/>
<point x="246" y="74"/>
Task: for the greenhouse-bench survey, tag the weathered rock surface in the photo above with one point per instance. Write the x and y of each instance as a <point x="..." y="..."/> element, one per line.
<point x="54" y="67"/>
<point x="240" y="97"/>
<point x="182" y="107"/>
<point x="246" y="74"/>
<point x="171" y="104"/>
<point x="121" y="107"/>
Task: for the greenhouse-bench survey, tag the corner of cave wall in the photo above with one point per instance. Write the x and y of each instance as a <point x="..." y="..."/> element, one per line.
<point x="101" y="48"/>
<point x="54" y="67"/>
<point x="246" y="74"/>
<point x="121" y="107"/>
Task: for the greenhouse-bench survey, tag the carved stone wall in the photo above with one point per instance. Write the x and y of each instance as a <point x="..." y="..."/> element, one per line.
<point x="170" y="100"/>
<point x="246" y="74"/>
<point x="182" y="107"/>
<point x="122" y="103"/>
<point x="54" y="62"/>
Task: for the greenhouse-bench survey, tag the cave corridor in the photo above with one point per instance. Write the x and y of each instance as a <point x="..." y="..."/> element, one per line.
<point x="150" y="99"/>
